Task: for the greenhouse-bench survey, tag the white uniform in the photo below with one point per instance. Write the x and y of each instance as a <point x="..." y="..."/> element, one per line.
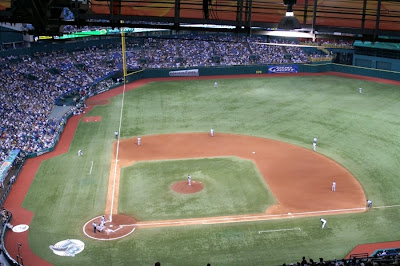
<point x="139" y="141"/>
<point x="100" y="228"/>
<point x="315" y="140"/>
<point x="360" y="90"/>
<point x="333" y="186"/>
<point x="323" y="221"/>
<point x="189" y="180"/>
<point x="215" y="84"/>
<point x="314" y="145"/>
<point x="80" y="152"/>
<point x="212" y="132"/>
<point x="369" y="204"/>
<point x="116" y="134"/>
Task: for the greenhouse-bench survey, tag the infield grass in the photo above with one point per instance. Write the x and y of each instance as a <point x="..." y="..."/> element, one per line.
<point x="231" y="186"/>
<point x="360" y="131"/>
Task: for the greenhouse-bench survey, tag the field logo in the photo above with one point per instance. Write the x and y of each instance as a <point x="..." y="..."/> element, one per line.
<point x="69" y="247"/>
<point x="282" y="69"/>
<point x="20" y="228"/>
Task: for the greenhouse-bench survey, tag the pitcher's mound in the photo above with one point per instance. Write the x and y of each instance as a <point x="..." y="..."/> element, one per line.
<point x="184" y="188"/>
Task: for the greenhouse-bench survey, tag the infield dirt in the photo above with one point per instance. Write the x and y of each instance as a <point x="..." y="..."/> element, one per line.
<point x="300" y="179"/>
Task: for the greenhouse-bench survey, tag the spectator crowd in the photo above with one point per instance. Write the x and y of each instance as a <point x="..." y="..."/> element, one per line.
<point x="381" y="259"/>
<point x="29" y="85"/>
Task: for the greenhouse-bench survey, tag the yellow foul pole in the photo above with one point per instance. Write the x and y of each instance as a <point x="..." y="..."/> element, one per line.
<point x="123" y="51"/>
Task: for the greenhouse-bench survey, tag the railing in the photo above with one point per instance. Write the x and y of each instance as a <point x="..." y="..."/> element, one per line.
<point x="3" y="198"/>
<point x="9" y="259"/>
<point x="329" y="45"/>
<point x="321" y="59"/>
<point x="359" y="255"/>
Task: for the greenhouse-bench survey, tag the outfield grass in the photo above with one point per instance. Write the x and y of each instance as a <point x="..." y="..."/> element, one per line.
<point x="231" y="186"/>
<point x="358" y="131"/>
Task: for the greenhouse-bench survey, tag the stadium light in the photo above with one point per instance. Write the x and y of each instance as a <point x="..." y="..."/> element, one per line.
<point x="289" y="34"/>
<point x="289" y="21"/>
<point x="210" y="26"/>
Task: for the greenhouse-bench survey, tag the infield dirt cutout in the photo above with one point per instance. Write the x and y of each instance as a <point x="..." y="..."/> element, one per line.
<point x="88" y="119"/>
<point x="300" y="179"/>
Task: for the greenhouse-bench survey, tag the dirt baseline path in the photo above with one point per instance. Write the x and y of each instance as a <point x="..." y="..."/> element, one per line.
<point x="300" y="179"/>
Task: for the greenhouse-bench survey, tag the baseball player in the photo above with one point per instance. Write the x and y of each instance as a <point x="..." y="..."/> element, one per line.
<point x="215" y="84"/>
<point x="139" y="141"/>
<point x="369" y="203"/>
<point x="333" y="186"/>
<point x="116" y="134"/>
<point x="80" y="153"/>
<point x="94" y="227"/>
<point x="212" y="132"/>
<point x="314" y="145"/>
<point x="323" y="221"/>
<point x="100" y="228"/>
<point x="189" y="180"/>
<point x="315" y="140"/>
<point x="102" y="220"/>
<point x="360" y="90"/>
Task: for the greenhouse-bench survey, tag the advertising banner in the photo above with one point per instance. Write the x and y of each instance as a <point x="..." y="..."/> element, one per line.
<point x="184" y="73"/>
<point x="283" y="69"/>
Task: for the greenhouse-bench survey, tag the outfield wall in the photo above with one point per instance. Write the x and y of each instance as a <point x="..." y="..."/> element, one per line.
<point x="376" y="62"/>
<point x="263" y="69"/>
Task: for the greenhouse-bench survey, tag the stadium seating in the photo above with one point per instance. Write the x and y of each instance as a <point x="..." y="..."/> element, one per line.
<point x="32" y="84"/>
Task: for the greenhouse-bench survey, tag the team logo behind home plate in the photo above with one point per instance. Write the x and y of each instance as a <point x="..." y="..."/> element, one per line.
<point x="69" y="247"/>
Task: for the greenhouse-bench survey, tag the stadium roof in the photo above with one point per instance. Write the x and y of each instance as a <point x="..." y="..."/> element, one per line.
<point x="362" y="19"/>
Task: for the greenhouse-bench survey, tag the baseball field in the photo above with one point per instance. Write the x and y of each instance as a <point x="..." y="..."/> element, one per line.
<point x="258" y="188"/>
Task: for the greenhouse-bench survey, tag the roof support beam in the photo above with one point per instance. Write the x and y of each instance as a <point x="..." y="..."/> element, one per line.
<point x="305" y="12"/>
<point x="239" y="14"/>
<point x="177" y="13"/>
<point x="314" y="19"/>
<point x="364" y="10"/>
<point x="378" y="18"/>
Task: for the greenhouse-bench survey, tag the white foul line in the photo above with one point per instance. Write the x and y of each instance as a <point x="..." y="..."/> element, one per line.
<point x="253" y="218"/>
<point x="117" y="152"/>
<point x="120" y="227"/>
<point x="91" y="168"/>
<point x="231" y="220"/>
<point x="279" y="230"/>
<point x="250" y="218"/>
<point x="384" y="207"/>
